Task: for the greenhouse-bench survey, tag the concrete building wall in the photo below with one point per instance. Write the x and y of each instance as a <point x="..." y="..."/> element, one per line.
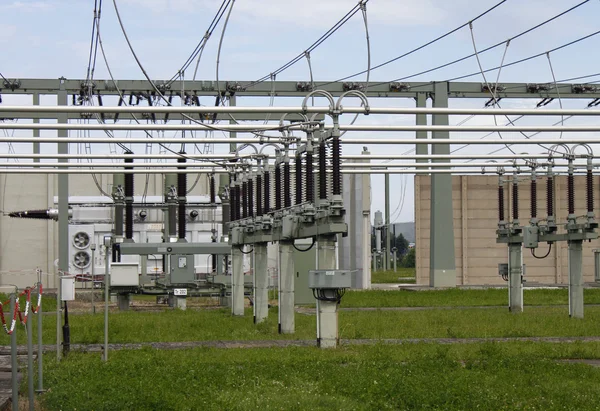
<point x="27" y="245"/>
<point x="475" y="203"/>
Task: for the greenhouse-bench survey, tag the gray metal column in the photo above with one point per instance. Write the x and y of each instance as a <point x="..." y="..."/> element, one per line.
<point x="515" y="277"/>
<point x="286" y="290"/>
<point x="575" y="279"/>
<point x="441" y="260"/>
<point x="237" y="281"/>
<point x="63" y="211"/>
<point x="261" y="283"/>
<point x="421" y="149"/>
<point x="327" y="311"/>
<point x="388" y="230"/>
<point x="36" y="133"/>
<point x="14" y="365"/>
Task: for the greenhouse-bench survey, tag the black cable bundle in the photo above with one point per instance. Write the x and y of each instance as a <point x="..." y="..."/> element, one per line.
<point x="533" y="199"/>
<point x="571" y="192"/>
<point x="515" y="199"/>
<point x="590" y="191"/>
<point x="259" y="193"/>
<point x="337" y="174"/>
<point x="550" y="196"/>
<point x="244" y="199"/>
<point x="298" y="177"/>
<point x="277" y="187"/>
<point x="250" y="198"/>
<point x="287" y="185"/>
<point x="322" y="171"/>
<point x="267" y="205"/>
<point x="310" y="178"/>
<point x="501" y="203"/>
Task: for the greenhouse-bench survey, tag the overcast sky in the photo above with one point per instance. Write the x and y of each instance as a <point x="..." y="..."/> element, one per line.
<point x="50" y="39"/>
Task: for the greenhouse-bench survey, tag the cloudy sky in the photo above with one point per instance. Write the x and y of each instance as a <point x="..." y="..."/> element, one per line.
<point x="50" y="39"/>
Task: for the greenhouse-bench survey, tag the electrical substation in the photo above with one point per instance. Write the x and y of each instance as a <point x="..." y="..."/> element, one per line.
<point x="177" y="189"/>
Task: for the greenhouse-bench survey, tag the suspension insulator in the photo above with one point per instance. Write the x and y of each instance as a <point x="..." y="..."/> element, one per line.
<point x="298" y="179"/>
<point x="515" y="199"/>
<point x="181" y="193"/>
<point x="259" y="194"/>
<point x="337" y="174"/>
<point x="322" y="171"/>
<point x="571" y="192"/>
<point x="310" y="179"/>
<point x="267" y="200"/>
<point x="244" y="199"/>
<point x="590" y="191"/>
<point x="213" y="191"/>
<point x="238" y="202"/>
<point x="250" y="198"/>
<point x="550" y="196"/>
<point x="277" y="187"/>
<point x="533" y="199"/>
<point x="287" y="185"/>
<point x="501" y="203"/>
<point x="129" y="191"/>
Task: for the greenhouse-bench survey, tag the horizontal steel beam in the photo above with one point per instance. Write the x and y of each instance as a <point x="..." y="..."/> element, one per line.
<point x="174" y="248"/>
<point x="291" y="110"/>
<point x="298" y="88"/>
<point x="259" y="142"/>
<point x="263" y="127"/>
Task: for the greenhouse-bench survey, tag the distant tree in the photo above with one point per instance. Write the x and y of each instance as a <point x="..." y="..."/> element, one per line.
<point x="409" y="260"/>
<point x="401" y="244"/>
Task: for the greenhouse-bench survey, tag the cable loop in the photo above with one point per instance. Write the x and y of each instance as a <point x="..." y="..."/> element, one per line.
<point x="363" y="97"/>
<point x="322" y="93"/>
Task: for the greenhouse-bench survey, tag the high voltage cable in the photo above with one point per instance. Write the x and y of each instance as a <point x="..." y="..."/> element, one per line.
<point x="204" y="40"/>
<point x="429" y="43"/>
<point x="313" y="46"/>
<point x="498" y="45"/>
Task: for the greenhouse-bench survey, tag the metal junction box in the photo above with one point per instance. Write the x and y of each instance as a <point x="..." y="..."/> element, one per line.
<point x="124" y="275"/>
<point x="182" y="269"/>
<point x="289" y="228"/>
<point x="329" y="279"/>
<point x="530" y="237"/>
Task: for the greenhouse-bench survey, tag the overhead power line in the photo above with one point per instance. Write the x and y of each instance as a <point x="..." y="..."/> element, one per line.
<point x="313" y="46"/>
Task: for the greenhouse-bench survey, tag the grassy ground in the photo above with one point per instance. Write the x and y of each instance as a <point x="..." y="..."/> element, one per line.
<point x="425" y="376"/>
<point x="173" y="326"/>
<point x="460" y="297"/>
<point x="403" y="275"/>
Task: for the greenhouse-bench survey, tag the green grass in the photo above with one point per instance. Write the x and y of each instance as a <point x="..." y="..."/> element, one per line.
<point x="204" y="325"/>
<point x="387" y="277"/>
<point x="425" y="376"/>
<point x="460" y="297"/>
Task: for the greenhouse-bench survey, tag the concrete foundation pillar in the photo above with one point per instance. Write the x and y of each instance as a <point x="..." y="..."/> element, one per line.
<point x="180" y="303"/>
<point x="515" y="278"/>
<point x="575" y="279"/>
<point x="261" y="283"/>
<point x="327" y="324"/>
<point x="237" y="281"/>
<point x="286" y="289"/>
<point x="123" y="301"/>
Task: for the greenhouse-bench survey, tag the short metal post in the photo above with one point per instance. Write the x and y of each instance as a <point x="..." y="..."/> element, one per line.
<point x="286" y="292"/>
<point x="58" y="316"/>
<point x="93" y="248"/>
<point x="106" y="297"/>
<point x="515" y="278"/>
<point x="30" y="387"/>
<point x="395" y="260"/>
<point x="575" y="279"/>
<point x="40" y="342"/>
<point x="261" y="281"/>
<point x="13" y="358"/>
<point x="597" y="266"/>
<point x="237" y="281"/>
